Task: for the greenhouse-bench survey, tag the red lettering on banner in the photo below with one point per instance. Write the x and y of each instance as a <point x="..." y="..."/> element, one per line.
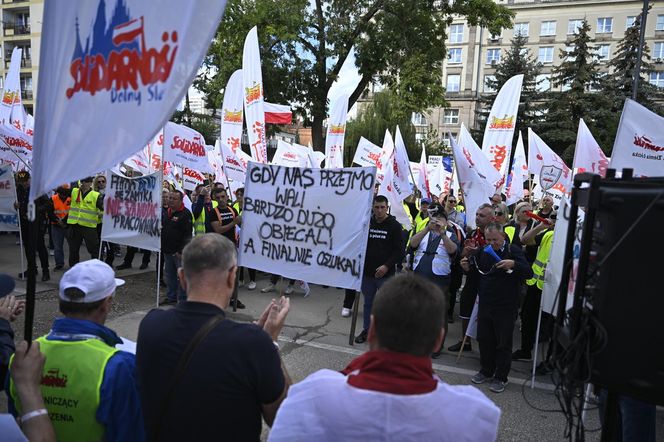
<point x="252" y="94"/>
<point x="647" y="144"/>
<point x="194" y="146"/>
<point x="468" y="156"/>
<point x="502" y="123"/>
<point x="16" y="142"/>
<point x="233" y="143"/>
<point x="499" y="156"/>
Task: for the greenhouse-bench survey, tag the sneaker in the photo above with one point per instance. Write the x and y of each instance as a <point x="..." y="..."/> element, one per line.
<point x="456" y="347"/>
<point x="522" y="355"/>
<point x="289" y="289"/>
<point x="361" y="338"/>
<point x="123" y="266"/>
<point x="269" y="288"/>
<point x="345" y="312"/>
<point x="251" y="285"/>
<point x="479" y="378"/>
<point x="498" y="386"/>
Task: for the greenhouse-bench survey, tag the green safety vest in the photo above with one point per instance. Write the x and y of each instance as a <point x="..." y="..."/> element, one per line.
<point x="199" y="223"/>
<point x="420" y="223"/>
<point x="237" y="208"/>
<point x="509" y="230"/>
<point x="542" y="258"/>
<point x="71" y="383"/>
<point x="84" y="212"/>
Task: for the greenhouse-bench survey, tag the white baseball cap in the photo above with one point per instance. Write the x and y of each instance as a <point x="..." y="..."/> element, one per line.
<point x="94" y="278"/>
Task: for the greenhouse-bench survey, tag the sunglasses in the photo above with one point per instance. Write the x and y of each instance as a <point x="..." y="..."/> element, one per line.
<point x="498" y="213"/>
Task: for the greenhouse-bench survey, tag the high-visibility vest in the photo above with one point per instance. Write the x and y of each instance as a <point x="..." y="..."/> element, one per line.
<point x="199" y="223"/>
<point x="541" y="260"/>
<point x="510" y="230"/>
<point x="71" y="384"/>
<point x="61" y="208"/>
<point x="420" y="223"/>
<point x="83" y="211"/>
<point x="410" y="217"/>
<point x="237" y="207"/>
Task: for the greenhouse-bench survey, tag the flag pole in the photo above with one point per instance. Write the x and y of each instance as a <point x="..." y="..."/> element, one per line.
<point x="31" y="285"/>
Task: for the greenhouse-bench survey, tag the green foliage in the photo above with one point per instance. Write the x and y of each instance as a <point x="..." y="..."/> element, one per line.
<point x="516" y="60"/>
<point x="202" y="123"/>
<point x="304" y="43"/>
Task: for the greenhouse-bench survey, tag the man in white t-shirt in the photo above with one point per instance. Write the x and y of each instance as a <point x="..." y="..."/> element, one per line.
<point x="391" y="391"/>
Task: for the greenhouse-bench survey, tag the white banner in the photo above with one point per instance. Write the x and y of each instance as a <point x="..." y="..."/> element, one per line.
<point x="139" y="162"/>
<point x="497" y="142"/>
<point x="184" y="146"/>
<point x="422" y="177"/>
<point x="291" y="155"/>
<point x="336" y="131"/>
<point x="551" y="172"/>
<point x="232" y="112"/>
<point x="8" y="214"/>
<point x="116" y="71"/>
<point x="11" y="105"/>
<point x="518" y="175"/>
<point x="639" y="142"/>
<point x="400" y="169"/>
<point x="252" y="82"/>
<point x="368" y="154"/>
<point x="15" y="147"/>
<point x="191" y="178"/>
<point x="235" y="164"/>
<point x="440" y="179"/>
<point x="132" y="211"/>
<point x="297" y="223"/>
<point x="435" y="159"/>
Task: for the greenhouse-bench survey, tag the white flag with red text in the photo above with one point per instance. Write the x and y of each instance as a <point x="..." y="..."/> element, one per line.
<point x="368" y="154"/>
<point x="423" y="176"/>
<point x="291" y="155"/>
<point x="497" y="142"/>
<point x="11" y="107"/>
<point x="232" y="112"/>
<point x="588" y="156"/>
<point x="185" y="146"/>
<point x="254" y="110"/>
<point x="336" y="130"/>
<point x="15" y="148"/>
<point x="551" y="173"/>
<point x="235" y="164"/>
<point x="518" y="175"/>
<point x="400" y="176"/>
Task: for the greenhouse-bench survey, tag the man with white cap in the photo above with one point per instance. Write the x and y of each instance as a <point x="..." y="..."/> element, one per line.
<point x="88" y="385"/>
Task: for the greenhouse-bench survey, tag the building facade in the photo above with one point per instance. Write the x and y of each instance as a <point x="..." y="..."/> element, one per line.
<point x="549" y="26"/>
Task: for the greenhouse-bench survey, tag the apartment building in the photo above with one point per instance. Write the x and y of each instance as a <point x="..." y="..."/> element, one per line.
<point x="21" y="27"/>
<point x="549" y="25"/>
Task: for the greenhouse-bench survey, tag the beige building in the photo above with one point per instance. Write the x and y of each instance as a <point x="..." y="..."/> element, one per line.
<point x="549" y="26"/>
<point x="21" y="27"/>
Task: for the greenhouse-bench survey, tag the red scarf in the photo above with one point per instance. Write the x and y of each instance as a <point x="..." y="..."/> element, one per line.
<point x="391" y="372"/>
<point x="170" y="211"/>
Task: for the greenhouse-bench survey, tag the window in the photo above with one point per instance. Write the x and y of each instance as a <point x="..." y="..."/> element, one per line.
<point x="488" y="80"/>
<point x="566" y="86"/>
<point x="543" y="82"/>
<point x="454" y="55"/>
<point x="446" y="138"/>
<point x="419" y="119"/>
<point x="568" y="53"/>
<point x="545" y="54"/>
<point x="604" y="25"/>
<point x="657" y="78"/>
<point x="451" y="116"/>
<point x="595" y="85"/>
<point x="492" y="56"/>
<point x="573" y="26"/>
<point x="548" y="28"/>
<point x="603" y="51"/>
<point x="659" y="25"/>
<point x="521" y="29"/>
<point x="658" y="52"/>
<point x="630" y="22"/>
<point x="453" y="83"/>
<point x="456" y="33"/>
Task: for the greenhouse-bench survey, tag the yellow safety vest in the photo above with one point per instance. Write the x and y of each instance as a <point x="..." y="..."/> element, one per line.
<point x="509" y="230"/>
<point x="237" y="208"/>
<point x="84" y="212"/>
<point x="541" y="260"/>
<point x="199" y="223"/>
<point x="71" y="383"/>
<point x="410" y="218"/>
<point x="420" y="223"/>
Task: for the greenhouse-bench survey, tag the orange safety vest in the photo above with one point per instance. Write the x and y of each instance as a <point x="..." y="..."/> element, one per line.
<point x="61" y="207"/>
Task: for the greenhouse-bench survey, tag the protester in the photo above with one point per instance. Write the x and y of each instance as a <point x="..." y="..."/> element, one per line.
<point x="501" y="214"/>
<point x="385" y="249"/>
<point x="422" y="217"/>
<point x="453" y="214"/>
<point x="391" y="391"/>
<point x="176" y="231"/>
<point x="108" y="249"/>
<point x="520" y="224"/>
<point x="233" y="374"/>
<point x="86" y="205"/>
<point x="436" y="246"/>
<point x="89" y="383"/>
<point x="502" y="271"/>
<point x="201" y="209"/>
<point x="546" y="207"/>
<point x="128" y="260"/>
<point x="61" y="203"/>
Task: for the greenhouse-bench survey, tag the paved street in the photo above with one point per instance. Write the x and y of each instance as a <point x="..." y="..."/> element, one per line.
<point x="316" y="336"/>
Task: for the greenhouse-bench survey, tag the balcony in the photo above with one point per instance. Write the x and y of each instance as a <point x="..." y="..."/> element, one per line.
<point x="16" y="29"/>
<point x="26" y="94"/>
<point x="26" y="63"/>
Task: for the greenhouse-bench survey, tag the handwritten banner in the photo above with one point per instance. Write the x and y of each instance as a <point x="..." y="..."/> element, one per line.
<point x="8" y="215"/>
<point x="132" y="211"/>
<point x="296" y="222"/>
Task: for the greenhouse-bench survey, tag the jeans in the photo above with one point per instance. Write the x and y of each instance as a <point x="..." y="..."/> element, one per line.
<point x="58" y="235"/>
<point x="174" y="291"/>
<point x="637" y="419"/>
<point x="370" y="286"/>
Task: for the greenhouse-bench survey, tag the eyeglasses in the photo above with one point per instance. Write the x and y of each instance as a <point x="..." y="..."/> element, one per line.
<point x="498" y="213"/>
<point x="451" y="201"/>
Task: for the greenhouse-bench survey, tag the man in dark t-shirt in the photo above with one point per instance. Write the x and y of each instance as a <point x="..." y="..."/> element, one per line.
<point x="224" y="218"/>
<point x="235" y="375"/>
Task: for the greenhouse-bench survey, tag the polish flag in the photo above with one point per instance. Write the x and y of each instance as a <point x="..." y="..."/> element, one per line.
<point x="127" y="32"/>
<point x="277" y="113"/>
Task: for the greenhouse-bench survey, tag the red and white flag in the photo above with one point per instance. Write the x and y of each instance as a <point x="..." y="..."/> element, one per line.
<point x="518" y="175"/>
<point x="277" y="113"/>
<point x="254" y="109"/>
<point x="101" y="102"/>
<point x="497" y="142"/>
<point x="368" y="154"/>
<point x="336" y="130"/>
<point x="15" y="148"/>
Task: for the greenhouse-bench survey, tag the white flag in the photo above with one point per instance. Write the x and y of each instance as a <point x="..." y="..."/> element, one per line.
<point x="252" y="81"/>
<point x="639" y="142"/>
<point x="551" y="172"/>
<point x="291" y="155"/>
<point x="440" y="179"/>
<point x="8" y="214"/>
<point x="232" y="112"/>
<point x="518" y="175"/>
<point x="11" y="95"/>
<point x="235" y="164"/>
<point x="336" y="130"/>
<point x="368" y="154"/>
<point x="185" y="146"/>
<point x="588" y="156"/>
<point x="400" y="168"/>
<point x="423" y="178"/>
<point x="15" y="147"/>
<point x="386" y="160"/>
<point x="116" y="71"/>
<point x="497" y="142"/>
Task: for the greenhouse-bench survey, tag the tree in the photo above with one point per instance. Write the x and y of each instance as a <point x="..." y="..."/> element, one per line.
<point x="304" y="44"/>
<point x="578" y="75"/>
<point x="517" y="60"/>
